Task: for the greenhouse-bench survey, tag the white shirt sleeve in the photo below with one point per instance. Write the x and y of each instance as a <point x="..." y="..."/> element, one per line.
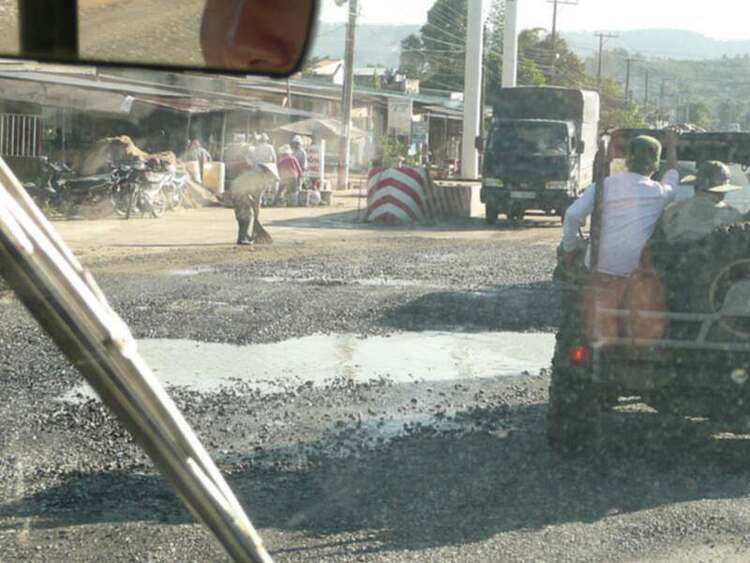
<point x="576" y="216"/>
<point x="670" y="181"/>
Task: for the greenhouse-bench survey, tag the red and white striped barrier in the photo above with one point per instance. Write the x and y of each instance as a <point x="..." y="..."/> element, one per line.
<point x="397" y="195"/>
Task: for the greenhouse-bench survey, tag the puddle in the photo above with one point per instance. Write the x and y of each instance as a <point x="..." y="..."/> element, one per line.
<point x="191" y="272"/>
<point x="323" y="359"/>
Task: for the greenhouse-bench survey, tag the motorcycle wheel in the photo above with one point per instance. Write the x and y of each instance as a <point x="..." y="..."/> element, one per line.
<point x="132" y="203"/>
<point x="158" y="205"/>
<point x="120" y="204"/>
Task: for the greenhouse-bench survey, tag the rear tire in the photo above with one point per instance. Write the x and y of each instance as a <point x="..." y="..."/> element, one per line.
<point x="573" y="415"/>
<point x="516" y="214"/>
<point x="490" y="214"/>
<point x="158" y="205"/>
<point x="574" y="405"/>
<point x="700" y="275"/>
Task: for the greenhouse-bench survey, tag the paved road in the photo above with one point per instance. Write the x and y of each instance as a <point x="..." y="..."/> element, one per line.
<point x="373" y="395"/>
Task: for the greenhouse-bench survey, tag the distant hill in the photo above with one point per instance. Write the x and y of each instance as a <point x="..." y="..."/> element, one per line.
<point x="376" y="44"/>
<point x="381" y="44"/>
<point x="664" y="43"/>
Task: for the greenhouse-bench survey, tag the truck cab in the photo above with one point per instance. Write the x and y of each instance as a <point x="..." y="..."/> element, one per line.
<point x="540" y="151"/>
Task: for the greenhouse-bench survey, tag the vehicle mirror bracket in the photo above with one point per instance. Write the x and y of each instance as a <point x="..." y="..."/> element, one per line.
<point x="48" y="28"/>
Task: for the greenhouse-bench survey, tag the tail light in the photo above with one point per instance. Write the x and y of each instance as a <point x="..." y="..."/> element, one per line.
<point x="579" y="355"/>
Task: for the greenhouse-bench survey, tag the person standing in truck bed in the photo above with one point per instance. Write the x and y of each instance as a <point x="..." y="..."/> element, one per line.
<point x="633" y="204"/>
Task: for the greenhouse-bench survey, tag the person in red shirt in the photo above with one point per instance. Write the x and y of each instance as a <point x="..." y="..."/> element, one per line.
<point x="290" y="173"/>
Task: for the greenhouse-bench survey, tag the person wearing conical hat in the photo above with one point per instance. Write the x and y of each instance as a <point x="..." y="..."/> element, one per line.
<point x="694" y="218"/>
<point x="247" y="191"/>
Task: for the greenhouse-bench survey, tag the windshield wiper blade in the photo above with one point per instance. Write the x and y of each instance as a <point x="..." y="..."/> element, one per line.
<point x="68" y="304"/>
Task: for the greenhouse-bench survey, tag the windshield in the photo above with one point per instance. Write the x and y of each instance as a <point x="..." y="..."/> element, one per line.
<point x="387" y="355"/>
<point x="537" y="139"/>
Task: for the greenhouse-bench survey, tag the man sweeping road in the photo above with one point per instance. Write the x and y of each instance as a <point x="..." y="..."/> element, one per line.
<point x="247" y="190"/>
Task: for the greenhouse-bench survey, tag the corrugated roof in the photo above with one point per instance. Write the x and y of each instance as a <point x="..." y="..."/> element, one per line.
<point x="333" y="92"/>
<point x="89" y="83"/>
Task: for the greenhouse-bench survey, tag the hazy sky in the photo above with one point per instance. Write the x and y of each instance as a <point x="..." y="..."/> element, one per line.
<point x="721" y="19"/>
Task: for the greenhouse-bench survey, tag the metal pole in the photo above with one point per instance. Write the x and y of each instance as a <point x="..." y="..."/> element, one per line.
<point x="627" y="82"/>
<point x="555" y="4"/>
<point x="348" y="98"/>
<point x="662" y="93"/>
<point x="602" y="36"/>
<point x="510" y="44"/>
<point x="472" y="90"/>
<point x="223" y="137"/>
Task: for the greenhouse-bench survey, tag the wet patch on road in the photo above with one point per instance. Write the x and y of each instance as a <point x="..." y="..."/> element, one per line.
<point x="323" y="360"/>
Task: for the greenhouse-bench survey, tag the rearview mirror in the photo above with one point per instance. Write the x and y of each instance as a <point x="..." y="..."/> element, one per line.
<point x="268" y="37"/>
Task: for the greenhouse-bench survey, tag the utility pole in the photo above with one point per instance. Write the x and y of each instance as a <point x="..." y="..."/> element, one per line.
<point x="662" y="93"/>
<point x="472" y="89"/>
<point x="627" y="81"/>
<point x="603" y="36"/>
<point x="348" y="98"/>
<point x="510" y="44"/>
<point x="645" y="97"/>
<point x="555" y="4"/>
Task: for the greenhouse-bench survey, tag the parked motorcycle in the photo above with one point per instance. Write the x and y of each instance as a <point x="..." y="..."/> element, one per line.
<point x="59" y="192"/>
<point x="148" y="195"/>
<point x="124" y="180"/>
<point x="175" y="187"/>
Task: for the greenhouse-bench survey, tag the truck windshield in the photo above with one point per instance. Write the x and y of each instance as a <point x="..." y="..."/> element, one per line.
<point x="540" y="139"/>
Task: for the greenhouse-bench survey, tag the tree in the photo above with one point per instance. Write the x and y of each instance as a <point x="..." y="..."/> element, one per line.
<point x="616" y="111"/>
<point x="700" y="114"/>
<point x="436" y="56"/>
<point x="413" y="57"/>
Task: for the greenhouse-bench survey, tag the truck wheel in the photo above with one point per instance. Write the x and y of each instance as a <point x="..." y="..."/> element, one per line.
<point x="490" y="214"/>
<point x="517" y="214"/>
<point x="572" y="417"/>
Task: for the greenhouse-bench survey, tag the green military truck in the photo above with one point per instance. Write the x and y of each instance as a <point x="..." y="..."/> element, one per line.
<point x="540" y="150"/>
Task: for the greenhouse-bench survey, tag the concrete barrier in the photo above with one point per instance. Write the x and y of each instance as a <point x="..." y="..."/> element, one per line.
<point x="409" y="195"/>
<point x="455" y="200"/>
<point x="397" y="195"/>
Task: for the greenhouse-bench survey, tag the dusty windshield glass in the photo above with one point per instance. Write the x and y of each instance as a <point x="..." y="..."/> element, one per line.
<point x="399" y="337"/>
<point x="531" y="138"/>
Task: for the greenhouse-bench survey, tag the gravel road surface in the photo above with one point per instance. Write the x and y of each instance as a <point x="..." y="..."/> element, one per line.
<point x="346" y="455"/>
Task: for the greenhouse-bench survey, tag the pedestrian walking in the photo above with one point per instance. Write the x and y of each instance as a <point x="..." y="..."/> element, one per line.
<point x="197" y="153"/>
<point x="290" y="173"/>
<point x="266" y="154"/>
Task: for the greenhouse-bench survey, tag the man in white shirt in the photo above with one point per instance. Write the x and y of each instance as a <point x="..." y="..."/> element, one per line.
<point x="264" y="152"/>
<point x="633" y="204"/>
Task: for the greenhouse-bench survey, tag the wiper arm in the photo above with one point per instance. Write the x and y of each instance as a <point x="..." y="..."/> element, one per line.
<point x="68" y="304"/>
